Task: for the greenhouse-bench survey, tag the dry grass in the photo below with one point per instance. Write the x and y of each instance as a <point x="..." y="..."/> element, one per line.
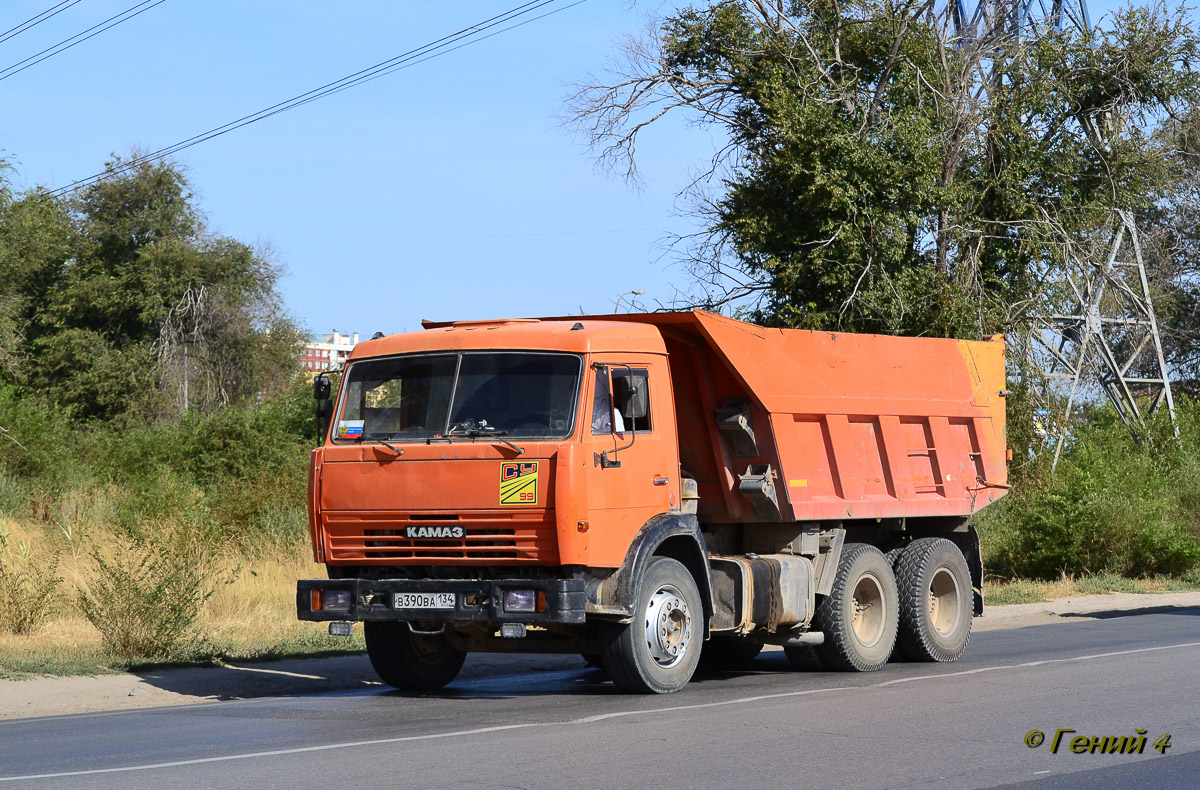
<point x="250" y="616"/>
<point x="1004" y="592"/>
<point x="254" y="615"/>
<point x="66" y="645"/>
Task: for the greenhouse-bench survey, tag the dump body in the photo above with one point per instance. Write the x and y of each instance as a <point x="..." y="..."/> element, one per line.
<point x="851" y="426"/>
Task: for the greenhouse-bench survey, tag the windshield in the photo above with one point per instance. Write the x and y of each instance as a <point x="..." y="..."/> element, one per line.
<point x="428" y="396"/>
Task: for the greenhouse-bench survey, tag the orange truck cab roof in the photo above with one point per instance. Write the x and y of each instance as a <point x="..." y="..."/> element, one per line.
<point x="581" y="335"/>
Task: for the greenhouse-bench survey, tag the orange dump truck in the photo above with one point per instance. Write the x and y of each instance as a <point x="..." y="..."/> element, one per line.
<point x="654" y="490"/>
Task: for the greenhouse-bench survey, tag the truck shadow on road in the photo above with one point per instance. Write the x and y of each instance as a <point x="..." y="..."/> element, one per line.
<point x="574" y="678"/>
<point x="256" y="680"/>
<point x="483" y="677"/>
<point x="1108" y="614"/>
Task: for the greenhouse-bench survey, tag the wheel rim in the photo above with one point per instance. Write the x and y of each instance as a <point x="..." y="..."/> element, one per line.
<point x="945" y="599"/>
<point x="668" y="626"/>
<point x="867" y="610"/>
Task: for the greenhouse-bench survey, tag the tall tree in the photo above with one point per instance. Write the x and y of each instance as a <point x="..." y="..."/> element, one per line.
<point x="1172" y="249"/>
<point x="882" y="175"/>
<point x="97" y="283"/>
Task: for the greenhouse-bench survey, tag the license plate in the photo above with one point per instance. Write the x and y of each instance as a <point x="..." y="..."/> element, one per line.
<point x="420" y="600"/>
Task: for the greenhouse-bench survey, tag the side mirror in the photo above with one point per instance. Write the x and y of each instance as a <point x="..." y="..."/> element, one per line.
<point x="634" y="401"/>
<point x="321" y="390"/>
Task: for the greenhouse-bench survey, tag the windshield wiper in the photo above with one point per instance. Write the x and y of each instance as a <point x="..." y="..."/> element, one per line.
<point x="379" y="437"/>
<point x="507" y="443"/>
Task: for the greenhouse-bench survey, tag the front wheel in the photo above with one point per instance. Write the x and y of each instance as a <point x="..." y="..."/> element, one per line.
<point x="419" y="662"/>
<point x="658" y="651"/>
<point x="860" y="615"/>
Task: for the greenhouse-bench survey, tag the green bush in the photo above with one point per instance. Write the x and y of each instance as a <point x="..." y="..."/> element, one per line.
<point x="37" y="440"/>
<point x="235" y="477"/>
<point x="233" y="472"/>
<point x="14" y="495"/>
<point x="1114" y="505"/>
<point x="145" y="600"/>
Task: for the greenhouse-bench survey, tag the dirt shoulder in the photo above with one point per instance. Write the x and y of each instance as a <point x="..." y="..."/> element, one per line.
<point x="52" y="696"/>
<point x="1084" y="607"/>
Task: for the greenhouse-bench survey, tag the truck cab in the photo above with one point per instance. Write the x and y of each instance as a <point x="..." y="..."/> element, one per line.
<point x="488" y="474"/>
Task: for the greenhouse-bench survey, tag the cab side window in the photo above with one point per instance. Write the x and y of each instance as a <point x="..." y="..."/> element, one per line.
<point x="622" y="400"/>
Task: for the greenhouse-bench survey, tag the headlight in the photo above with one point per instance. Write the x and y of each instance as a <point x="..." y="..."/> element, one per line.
<point x="519" y="601"/>
<point x="335" y="600"/>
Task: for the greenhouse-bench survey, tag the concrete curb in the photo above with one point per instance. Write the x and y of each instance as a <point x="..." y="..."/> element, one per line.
<point x="1084" y="607"/>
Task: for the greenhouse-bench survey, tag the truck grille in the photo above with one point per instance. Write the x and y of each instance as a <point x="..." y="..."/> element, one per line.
<point x="488" y="538"/>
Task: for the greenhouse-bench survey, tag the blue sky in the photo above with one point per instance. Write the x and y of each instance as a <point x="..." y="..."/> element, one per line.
<point x="446" y="191"/>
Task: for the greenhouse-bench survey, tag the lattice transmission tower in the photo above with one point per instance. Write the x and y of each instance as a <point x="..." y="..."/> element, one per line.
<point x="1095" y="333"/>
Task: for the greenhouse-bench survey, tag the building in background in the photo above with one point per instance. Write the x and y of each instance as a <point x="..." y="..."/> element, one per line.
<point x="330" y="353"/>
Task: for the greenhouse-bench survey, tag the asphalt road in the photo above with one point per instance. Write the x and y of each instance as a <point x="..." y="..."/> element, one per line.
<point x="961" y="725"/>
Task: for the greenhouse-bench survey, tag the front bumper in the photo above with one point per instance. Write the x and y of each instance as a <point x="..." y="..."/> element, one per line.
<point x="479" y="601"/>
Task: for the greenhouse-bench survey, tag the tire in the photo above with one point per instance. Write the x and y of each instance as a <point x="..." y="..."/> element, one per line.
<point x="892" y="555"/>
<point x="728" y="652"/>
<point x="657" y="652"/>
<point x="411" y="661"/>
<point x="805" y="658"/>
<point x="936" y="601"/>
<point x="860" y="615"/>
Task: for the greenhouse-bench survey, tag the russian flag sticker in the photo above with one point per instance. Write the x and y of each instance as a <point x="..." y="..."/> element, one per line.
<point x="349" y="429"/>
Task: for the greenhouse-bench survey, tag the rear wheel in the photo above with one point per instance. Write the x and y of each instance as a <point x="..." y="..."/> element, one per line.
<point x="658" y="651"/>
<point x="421" y="662"/>
<point x="935" y="601"/>
<point x="859" y="617"/>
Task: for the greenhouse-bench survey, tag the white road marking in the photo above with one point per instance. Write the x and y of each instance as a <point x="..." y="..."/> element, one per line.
<point x="1043" y="662"/>
<point x="884" y="684"/>
<point x="273" y="753"/>
<point x="273" y="672"/>
<point x="592" y="719"/>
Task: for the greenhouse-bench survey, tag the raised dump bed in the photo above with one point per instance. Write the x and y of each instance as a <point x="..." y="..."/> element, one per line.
<point x="825" y="425"/>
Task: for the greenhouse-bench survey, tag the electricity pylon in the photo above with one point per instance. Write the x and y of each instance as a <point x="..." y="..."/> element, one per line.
<point x="1096" y="331"/>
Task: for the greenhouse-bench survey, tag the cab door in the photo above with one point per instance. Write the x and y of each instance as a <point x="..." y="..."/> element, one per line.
<point x="630" y="435"/>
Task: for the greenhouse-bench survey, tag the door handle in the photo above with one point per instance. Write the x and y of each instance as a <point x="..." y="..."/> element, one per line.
<point x="661" y="481"/>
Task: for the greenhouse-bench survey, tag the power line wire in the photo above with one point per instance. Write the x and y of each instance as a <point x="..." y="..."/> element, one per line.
<point x="306" y="96"/>
<point x="58" y="48"/>
<point x="436" y="48"/>
<point x="400" y="67"/>
<point x="473" y="237"/>
<point x="36" y="20"/>
<point x="413" y="59"/>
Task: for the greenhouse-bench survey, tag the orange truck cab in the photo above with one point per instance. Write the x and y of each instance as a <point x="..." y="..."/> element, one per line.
<point x="652" y="490"/>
